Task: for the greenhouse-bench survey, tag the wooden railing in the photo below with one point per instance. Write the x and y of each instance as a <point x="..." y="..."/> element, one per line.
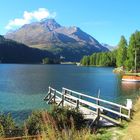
<point x="101" y="107"/>
<point x="114" y="108"/>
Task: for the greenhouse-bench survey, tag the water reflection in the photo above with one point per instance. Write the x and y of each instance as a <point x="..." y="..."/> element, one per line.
<point x="128" y="86"/>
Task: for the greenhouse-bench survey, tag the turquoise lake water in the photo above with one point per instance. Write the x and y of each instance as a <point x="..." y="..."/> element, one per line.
<point x="23" y="87"/>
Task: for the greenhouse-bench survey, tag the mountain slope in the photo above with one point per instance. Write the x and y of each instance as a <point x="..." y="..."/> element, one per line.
<point x="111" y="48"/>
<point x="14" y="52"/>
<point x="71" y="43"/>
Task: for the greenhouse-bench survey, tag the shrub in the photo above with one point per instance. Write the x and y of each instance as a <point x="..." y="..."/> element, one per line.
<point x="34" y="123"/>
<point x="68" y="117"/>
<point x="7" y="125"/>
<point x="1" y="131"/>
<point x="58" y="119"/>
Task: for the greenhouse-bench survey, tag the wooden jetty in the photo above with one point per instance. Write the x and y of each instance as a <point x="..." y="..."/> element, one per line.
<point x="100" y="111"/>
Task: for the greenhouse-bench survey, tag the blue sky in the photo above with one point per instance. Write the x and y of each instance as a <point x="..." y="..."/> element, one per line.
<point x="105" y="20"/>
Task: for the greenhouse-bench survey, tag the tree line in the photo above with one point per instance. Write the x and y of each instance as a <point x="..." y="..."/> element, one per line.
<point x="99" y="59"/>
<point x="126" y="54"/>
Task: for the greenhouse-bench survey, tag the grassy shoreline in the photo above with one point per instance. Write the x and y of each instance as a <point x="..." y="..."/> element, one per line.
<point x="127" y="131"/>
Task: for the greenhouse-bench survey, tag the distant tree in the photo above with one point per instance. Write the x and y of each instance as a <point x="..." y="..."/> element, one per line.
<point x="121" y="52"/>
<point x="46" y="60"/>
<point x="85" y="61"/>
<point x="97" y="58"/>
<point x="91" y="60"/>
<point x="50" y="61"/>
<point x="94" y="58"/>
<point x="112" y="56"/>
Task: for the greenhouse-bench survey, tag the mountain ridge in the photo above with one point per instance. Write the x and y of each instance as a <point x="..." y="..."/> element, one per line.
<point x="70" y="42"/>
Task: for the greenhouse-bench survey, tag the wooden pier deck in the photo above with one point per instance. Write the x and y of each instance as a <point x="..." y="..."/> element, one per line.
<point x="97" y="110"/>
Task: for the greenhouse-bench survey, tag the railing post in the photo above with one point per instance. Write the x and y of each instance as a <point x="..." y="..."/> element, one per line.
<point x="129" y="105"/>
<point x="120" y="115"/>
<point x="97" y="102"/>
<point x="64" y="91"/>
<point x="54" y="96"/>
<point x="77" y="104"/>
<point x="63" y="100"/>
<point x="129" y="113"/>
<point x="49" y="89"/>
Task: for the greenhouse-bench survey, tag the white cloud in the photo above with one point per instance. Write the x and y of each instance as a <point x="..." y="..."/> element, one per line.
<point x="28" y="17"/>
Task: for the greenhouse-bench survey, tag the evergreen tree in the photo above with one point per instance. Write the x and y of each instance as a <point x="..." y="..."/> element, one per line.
<point x="91" y="60"/>
<point x="100" y="59"/>
<point x="134" y="51"/>
<point x="131" y="52"/>
<point x="137" y="49"/>
<point x="85" y="61"/>
<point x="97" y="58"/>
<point x="121" y="52"/>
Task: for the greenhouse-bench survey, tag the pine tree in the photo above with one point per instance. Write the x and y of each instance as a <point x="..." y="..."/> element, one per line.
<point x="137" y="49"/>
<point x="134" y="51"/>
<point x="131" y="52"/>
<point x="121" y="52"/>
<point x="85" y="61"/>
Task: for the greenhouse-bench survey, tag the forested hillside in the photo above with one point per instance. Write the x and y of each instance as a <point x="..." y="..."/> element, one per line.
<point x="14" y="52"/>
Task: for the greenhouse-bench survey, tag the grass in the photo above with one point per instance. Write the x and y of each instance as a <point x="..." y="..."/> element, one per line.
<point x="134" y="74"/>
<point x="60" y="124"/>
<point x="133" y="130"/>
<point x="65" y="124"/>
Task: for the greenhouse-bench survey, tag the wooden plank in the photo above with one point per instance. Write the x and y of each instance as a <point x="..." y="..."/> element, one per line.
<point x="110" y="119"/>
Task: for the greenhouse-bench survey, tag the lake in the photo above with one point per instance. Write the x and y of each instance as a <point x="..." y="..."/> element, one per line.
<point x="23" y="87"/>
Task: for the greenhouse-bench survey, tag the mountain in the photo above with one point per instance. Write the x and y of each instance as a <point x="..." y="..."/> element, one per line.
<point x="111" y="48"/>
<point x="14" y="52"/>
<point x="70" y="42"/>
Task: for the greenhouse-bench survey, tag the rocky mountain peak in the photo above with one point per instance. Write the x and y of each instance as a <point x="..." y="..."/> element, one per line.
<point x="50" y="24"/>
<point x="70" y="42"/>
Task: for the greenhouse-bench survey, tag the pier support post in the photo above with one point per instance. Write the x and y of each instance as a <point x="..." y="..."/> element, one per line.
<point x="129" y="113"/>
<point x="98" y="116"/>
<point x="48" y="96"/>
<point x="50" y="92"/>
<point x="63" y="97"/>
<point x="54" y="96"/>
